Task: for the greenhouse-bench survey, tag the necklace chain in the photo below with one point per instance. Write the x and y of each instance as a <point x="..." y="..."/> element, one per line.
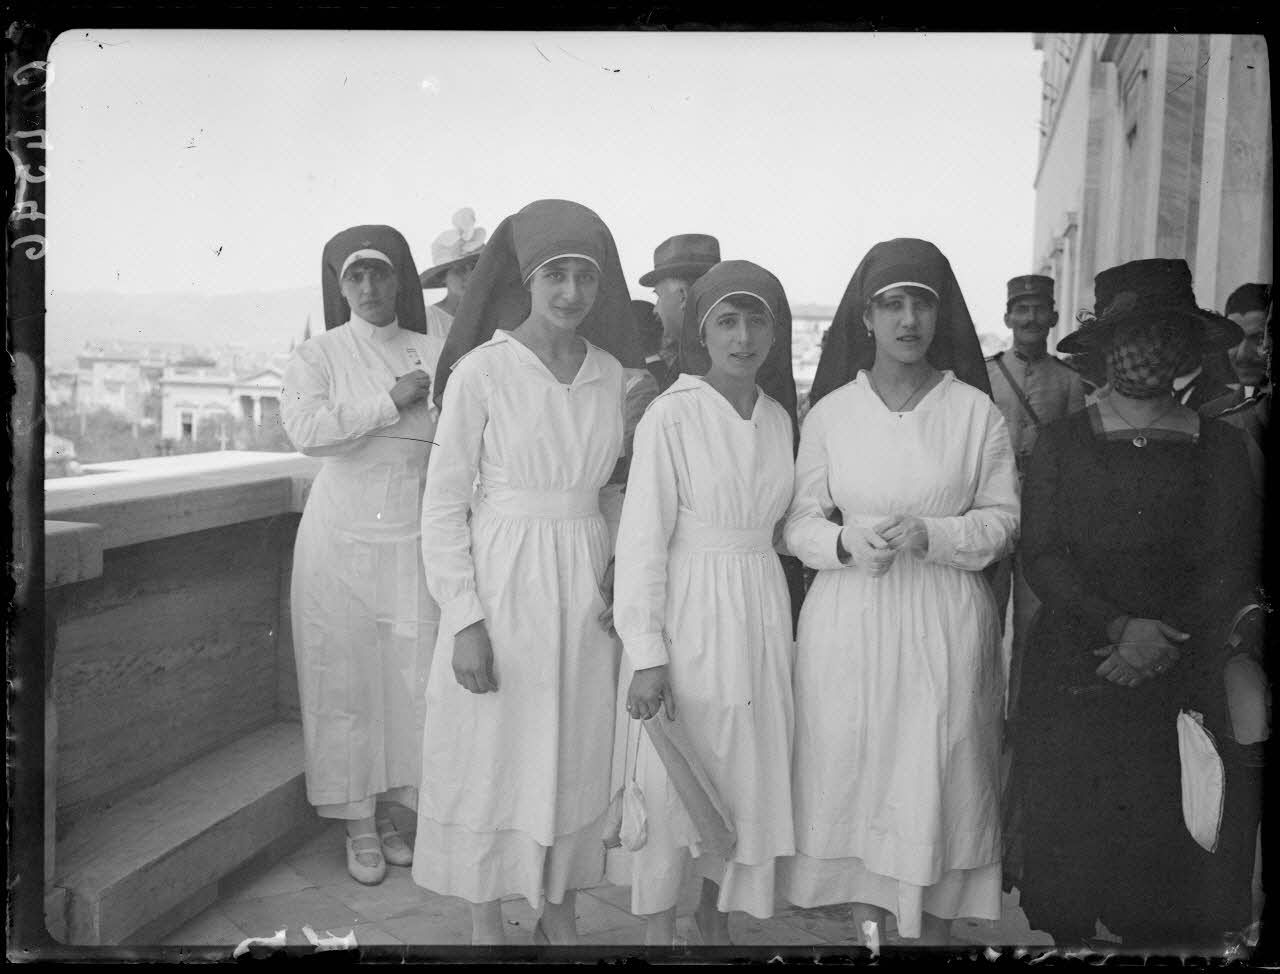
<point x="910" y="396"/>
<point x="1140" y="440"/>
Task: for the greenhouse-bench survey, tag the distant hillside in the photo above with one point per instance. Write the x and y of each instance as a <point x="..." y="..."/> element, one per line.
<point x="264" y="321"/>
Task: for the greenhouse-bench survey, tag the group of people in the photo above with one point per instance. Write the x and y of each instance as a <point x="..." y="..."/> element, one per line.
<point x="555" y="531"/>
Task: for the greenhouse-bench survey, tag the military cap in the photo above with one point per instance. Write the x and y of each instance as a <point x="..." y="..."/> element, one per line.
<point x="1030" y="284"/>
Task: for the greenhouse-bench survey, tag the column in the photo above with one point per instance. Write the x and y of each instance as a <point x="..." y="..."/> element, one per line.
<point x="1234" y="242"/>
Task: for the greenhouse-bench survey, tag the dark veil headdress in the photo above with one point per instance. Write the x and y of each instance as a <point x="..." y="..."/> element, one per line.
<point x="742" y="277"/>
<point x="496" y="296"/>
<point x="849" y="349"/>
<point x="411" y="311"/>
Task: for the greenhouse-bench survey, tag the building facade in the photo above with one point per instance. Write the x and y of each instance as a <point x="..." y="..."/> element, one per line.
<point x="1153" y="145"/>
<point x="192" y="395"/>
<point x="117" y="382"/>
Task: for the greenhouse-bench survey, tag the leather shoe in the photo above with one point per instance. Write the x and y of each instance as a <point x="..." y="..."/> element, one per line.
<point x="396" y="849"/>
<point x="366" y="863"/>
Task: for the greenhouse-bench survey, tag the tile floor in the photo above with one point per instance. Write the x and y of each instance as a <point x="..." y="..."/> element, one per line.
<point x="311" y="888"/>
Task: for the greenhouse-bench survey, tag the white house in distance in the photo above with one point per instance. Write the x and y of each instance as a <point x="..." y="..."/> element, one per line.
<point x="112" y="380"/>
<point x="191" y="394"/>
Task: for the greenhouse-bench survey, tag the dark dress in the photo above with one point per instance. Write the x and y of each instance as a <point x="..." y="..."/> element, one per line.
<point x="1168" y="531"/>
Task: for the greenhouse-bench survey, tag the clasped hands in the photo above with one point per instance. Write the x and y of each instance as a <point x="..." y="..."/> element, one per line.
<point x="873" y="549"/>
<point x="1145" y="648"/>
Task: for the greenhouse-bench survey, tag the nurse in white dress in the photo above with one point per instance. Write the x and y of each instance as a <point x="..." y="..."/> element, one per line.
<point x="702" y="605"/>
<point x="898" y="684"/>
<point x="363" y="623"/>
<point x="520" y="701"/>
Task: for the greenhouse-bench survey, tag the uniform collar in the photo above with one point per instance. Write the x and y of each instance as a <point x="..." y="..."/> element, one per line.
<point x="1027" y="358"/>
<point x="374" y="333"/>
<point x="591" y="369"/>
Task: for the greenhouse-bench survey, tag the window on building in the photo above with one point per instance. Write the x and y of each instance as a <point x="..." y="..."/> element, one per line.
<point x="270" y="411"/>
<point x="188" y="424"/>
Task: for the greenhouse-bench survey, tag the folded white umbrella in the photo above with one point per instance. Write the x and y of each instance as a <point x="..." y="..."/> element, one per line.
<point x="706" y="810"/>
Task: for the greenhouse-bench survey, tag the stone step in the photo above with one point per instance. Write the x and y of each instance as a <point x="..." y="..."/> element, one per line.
<point x="135" y="864"/>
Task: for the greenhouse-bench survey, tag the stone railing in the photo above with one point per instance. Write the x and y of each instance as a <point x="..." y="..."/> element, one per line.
<point x="174" y="750"/>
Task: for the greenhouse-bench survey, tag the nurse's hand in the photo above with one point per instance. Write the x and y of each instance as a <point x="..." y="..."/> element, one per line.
<point x="410" y="388"/>
<point x="861" y="546"/>
<point x="904" y="532"/>
<point x="650" y="690"/>
<point x="473" y="659"/>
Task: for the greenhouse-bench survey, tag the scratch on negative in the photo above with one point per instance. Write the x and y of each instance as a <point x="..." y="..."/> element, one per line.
<point x="1187" y="78"/>
<point x="586" y="62"/>
<point x="539" y="50"/>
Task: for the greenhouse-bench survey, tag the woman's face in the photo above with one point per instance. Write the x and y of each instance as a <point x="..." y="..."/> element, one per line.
<point x="903" y="321"/>
<point x="1145" y="355"/>
<point x="562" y="291"/>
<point x="738" y="336"/>
<point x="370" y="287"/>
<point x="456" y="278"/>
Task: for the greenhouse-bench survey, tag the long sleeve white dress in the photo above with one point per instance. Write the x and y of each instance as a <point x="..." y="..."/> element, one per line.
<point x="699" y="588"/>
<point x="364" y="624"/>
<point x="898" y="681"/>
<point x="515" y="783"/>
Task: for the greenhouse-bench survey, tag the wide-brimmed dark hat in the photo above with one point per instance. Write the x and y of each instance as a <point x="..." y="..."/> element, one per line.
<point x="1145" y="290"/>
<point x="684" y="255"/>
<point x="458" y="245"/>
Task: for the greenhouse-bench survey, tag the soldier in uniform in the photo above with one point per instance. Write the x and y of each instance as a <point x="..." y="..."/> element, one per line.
<point x="1032" y="388"/>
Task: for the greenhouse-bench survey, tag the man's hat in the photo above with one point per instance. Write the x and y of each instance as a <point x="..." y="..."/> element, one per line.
<point x="1030" y="285"/>
<point x="684" y="255"/>
<point x="463" y="242"/>
<point x="1144" y="290"/>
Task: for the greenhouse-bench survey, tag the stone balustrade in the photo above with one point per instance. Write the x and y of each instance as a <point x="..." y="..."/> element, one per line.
<point x="175" y="753"/>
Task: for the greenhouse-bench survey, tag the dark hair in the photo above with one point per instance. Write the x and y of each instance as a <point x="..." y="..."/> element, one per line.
<point x="1248" y="297"/>
<point x="745" y="302"/>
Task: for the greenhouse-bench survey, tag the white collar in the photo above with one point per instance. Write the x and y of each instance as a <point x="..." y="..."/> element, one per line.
<point x="374" y="333"/>
<point x="1182" y="381"/>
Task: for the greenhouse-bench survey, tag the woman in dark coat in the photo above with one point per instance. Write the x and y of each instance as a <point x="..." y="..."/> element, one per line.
<point x="1140" y="535"/>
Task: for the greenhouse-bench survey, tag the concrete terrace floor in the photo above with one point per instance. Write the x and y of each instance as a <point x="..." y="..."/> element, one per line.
<point x="311" y="888"/>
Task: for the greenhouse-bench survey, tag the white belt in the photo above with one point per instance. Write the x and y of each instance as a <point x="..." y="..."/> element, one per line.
<point x="518" y="502"/>
<point x="693" y="535"/>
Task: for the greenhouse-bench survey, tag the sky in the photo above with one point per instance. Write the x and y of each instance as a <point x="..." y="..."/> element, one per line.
<point x="218" y="162"/>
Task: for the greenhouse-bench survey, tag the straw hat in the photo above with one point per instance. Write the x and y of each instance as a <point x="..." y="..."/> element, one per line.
<point x="461" y="243"/>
